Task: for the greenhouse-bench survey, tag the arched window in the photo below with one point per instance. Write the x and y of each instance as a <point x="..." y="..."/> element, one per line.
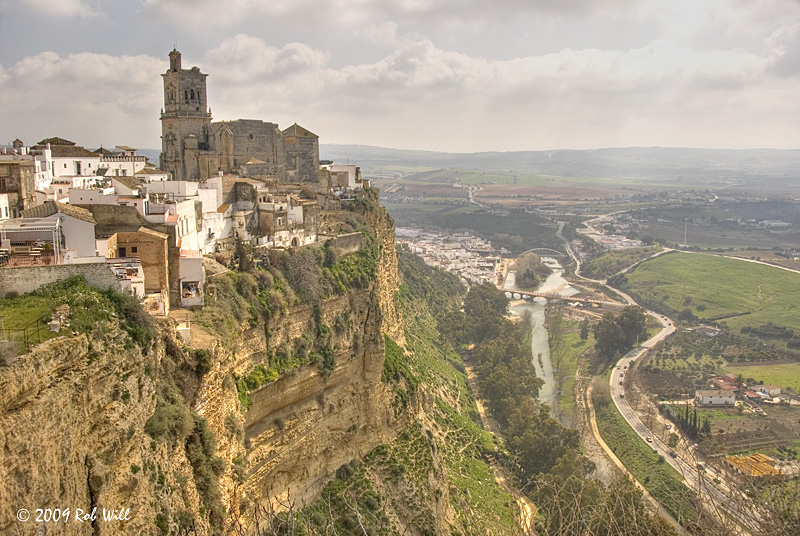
<point x="192" y="95"/>
<point x="186" y="96"/>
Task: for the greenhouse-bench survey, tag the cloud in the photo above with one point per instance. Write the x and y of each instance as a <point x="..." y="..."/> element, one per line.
<point x="783" y="48"/>
<point x="419" y="91"/>
<point x="249" y="58"/>
<point x="423" y="96"/>
<point x="90" y="98"/>
<point x="62" y="8"/>
<point x="363" y="13"/>
<point x="382" y="34"/>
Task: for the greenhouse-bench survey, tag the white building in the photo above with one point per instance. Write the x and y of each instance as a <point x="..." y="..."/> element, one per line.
<point x="122" y="162"/>
<point x="150" y="174"/>
<point x="345" y="176"/>
<point x="770" y="390"/>
<point x="76" y="227"/>
<point x="774" y="223"/>
<point x="715" y="397"/>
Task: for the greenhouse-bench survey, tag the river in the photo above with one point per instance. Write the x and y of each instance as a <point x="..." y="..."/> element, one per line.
<point x="540" y="343"/>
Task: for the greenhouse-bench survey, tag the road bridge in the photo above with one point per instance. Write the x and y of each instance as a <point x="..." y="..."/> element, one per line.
<point x="524" y="294"/>
<point x="545" y="252"/>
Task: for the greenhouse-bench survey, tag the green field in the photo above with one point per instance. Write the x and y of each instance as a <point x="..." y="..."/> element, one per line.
<point x="783" y="376"/>
<point x="566" y="349"/>
<point x="649" y="468"/>
<point x="611" y="262"/>
<point x="733" y="291"/>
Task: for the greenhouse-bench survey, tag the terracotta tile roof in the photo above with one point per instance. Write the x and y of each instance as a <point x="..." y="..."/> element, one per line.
<point x="48" y="208"/>
<point x="55" y="141"/>
<point x="149" y="171"/>
<point x="146" y="230"/>
<point x="131" y="182"/>
<point x="71" y="150"/>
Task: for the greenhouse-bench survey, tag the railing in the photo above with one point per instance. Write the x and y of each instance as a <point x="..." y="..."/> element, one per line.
<point x="18" y="339"/>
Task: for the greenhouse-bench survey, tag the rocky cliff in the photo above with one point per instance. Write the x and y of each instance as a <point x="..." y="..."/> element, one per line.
<point x="99" y="419"/>
<point x="72" y="418"/>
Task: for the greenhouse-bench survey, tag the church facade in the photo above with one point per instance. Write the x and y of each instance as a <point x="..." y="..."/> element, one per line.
<point x="194" y="148"/>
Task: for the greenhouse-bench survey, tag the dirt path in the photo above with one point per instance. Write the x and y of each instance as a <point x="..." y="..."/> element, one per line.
<point x="605" y="469"/>
<point x="652" y="500"/>
<point x="527" y="510"/>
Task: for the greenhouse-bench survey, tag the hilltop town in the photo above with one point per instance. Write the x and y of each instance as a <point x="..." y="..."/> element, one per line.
<point x="115" y="217"/>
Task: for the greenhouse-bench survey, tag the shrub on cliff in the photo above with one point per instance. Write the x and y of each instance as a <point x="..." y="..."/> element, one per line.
<point x="171" y="419"/>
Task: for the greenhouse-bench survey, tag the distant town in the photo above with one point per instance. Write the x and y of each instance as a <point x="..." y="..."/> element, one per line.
<point x="471" y="258"/>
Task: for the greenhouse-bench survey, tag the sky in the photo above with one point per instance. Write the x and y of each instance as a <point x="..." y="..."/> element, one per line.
<point x="442" y="75"/>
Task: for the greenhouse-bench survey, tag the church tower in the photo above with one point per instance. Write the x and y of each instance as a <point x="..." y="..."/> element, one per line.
<point x="185" y="120"/>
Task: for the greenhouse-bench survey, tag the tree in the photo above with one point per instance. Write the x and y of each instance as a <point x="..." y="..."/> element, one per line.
<point x="585" y="329"/>
<point x="243" y="256"/>
<point x="609" y="337"/>
<point x="529" y="271"/>
<point x="632" y="322"/>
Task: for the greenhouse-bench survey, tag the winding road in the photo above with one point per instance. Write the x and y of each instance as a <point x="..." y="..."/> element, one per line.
<point x="717" y="497"/>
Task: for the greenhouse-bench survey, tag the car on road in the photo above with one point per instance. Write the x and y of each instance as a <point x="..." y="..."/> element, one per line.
<point x="700" y="467"/>
<point x="622" y="395"/>
<point x="668" y="426"/>
<point x="673" y="454"/>
<point x="648" y="439"/>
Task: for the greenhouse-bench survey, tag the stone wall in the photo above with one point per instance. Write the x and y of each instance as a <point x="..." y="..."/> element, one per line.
<point x="348" y="243"/>
<point x="30" y="278"/>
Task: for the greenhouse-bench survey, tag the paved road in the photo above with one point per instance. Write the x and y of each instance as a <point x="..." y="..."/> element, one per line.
<point x="685" y="462"/>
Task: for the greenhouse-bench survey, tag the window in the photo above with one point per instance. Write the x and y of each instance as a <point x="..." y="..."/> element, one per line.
<point x="134" y="249"/>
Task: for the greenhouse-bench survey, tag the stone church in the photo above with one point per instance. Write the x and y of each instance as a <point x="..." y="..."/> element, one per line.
<point x="195" y="148"/>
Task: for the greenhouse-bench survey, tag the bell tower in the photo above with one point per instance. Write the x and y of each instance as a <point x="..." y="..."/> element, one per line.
<point x="185" y="114"/>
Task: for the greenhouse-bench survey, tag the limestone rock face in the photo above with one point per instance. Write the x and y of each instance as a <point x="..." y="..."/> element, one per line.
<point x="388" y="280"/>
<point x="72" y="416"/>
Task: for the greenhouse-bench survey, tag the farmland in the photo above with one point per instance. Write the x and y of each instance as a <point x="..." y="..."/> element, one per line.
<point x="748" y="294"/>
<point x="786" y="375"/>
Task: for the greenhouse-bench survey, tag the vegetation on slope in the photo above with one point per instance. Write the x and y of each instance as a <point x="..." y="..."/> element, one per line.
<point x="399" y="487"/>
<point x="24" y="318"/>
<point x="544" y="455"/>
<point x="612" y="262"/>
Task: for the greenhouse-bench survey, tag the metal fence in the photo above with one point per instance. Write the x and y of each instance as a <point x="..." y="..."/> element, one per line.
<point x="16" y="339"/>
